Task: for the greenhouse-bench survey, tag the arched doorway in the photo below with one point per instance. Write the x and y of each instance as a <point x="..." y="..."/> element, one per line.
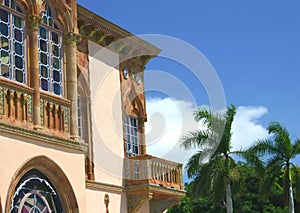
<point x="40" y="185"/>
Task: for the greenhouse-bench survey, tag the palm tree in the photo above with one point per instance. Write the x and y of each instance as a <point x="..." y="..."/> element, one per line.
<point x="280" y="151"/>
<point x="214" y="144"/>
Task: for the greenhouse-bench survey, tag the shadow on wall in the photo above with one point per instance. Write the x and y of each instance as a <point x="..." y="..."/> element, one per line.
<point x="123" y="207"/>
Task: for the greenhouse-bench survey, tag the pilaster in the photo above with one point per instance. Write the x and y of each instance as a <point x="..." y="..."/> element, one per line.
<point x="33" y="52"/>
<point x="71" y="80"/>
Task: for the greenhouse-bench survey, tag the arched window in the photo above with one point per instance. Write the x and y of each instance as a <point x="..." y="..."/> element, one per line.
<point x="50" y="59"/>
<point x="12" y="42"/>
<point x="34" y="193"/>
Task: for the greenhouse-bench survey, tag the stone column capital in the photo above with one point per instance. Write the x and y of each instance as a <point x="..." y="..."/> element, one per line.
<point x="33" y="21"/>
<point x="72" y="38"/>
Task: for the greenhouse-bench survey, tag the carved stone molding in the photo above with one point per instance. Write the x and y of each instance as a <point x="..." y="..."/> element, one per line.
<point x="72" y="38"/>
<point x="41" y="137"/>
<point x="33" y="21"/>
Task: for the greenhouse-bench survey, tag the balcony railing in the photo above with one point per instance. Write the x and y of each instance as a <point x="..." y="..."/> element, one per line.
<point x="15" y="103"/>
<point x="152" y="170"/>
<point x="54" y="114"/>
<point x="16" y="108"/>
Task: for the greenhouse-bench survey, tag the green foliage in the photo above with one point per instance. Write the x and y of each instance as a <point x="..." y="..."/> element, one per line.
<point x="247" y="200"/>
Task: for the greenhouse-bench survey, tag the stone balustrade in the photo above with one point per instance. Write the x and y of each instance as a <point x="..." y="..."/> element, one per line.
<point x="54" y="114"/>
<point x="16" y="108"/>
<point x="15" y="103"/>
<point x="153" y="170"/>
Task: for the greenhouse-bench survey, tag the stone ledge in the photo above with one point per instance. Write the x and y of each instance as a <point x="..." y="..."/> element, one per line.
<point x="103" y="186"/>
<point x="42" y="137"/>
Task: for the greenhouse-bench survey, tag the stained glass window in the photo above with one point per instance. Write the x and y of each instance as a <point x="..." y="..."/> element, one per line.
<point x="12" y="41"/>
<point x="34" y="193"/>
<point x="131" y="136"/>
<point x="50" y="60"/>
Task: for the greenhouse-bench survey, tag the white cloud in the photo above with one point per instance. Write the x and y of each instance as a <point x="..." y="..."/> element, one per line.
<point x="170" y="119"/>
<point x="246" y="127"/>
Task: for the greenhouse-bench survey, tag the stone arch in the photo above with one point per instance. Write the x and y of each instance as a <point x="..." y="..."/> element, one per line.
<point x="134" y="104"/>
<point x="62" y="11"/>
<point x="56" y="176"/>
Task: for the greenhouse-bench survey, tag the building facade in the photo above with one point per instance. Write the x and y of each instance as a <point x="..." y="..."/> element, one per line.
<point x="72" y="114"/>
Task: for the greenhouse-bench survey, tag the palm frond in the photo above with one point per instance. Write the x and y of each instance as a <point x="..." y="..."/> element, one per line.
<point x="194" y="139"/>
<point x="281" y="137"/>
<point x="295" y="149"/>
<point x="193" y="165"/>
<point x="264" y="147"/>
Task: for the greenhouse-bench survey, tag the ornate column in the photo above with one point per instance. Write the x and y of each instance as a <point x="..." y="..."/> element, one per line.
<point x="33" y="24"/>
<point x="71" y="80"/>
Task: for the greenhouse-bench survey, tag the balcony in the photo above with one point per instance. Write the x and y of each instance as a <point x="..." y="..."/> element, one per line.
<point x="54" y="115"/>
<point x="154" y="179"/>
<point x="16" y="104"/>
<point x="16" y="115"/>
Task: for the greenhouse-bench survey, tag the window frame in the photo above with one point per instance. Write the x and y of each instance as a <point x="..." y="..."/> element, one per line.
<point x="130" y="135"/>
<point x="12" y="68"/>
<point x="50" y="57"/>
<point x="80" y="117"/>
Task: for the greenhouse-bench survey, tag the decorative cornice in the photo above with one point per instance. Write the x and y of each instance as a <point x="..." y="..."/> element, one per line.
<point x="104" y="32"/>
<point x="42" y="137"/>
<point x="167" y="190"/>
<point x="104" y="186"/>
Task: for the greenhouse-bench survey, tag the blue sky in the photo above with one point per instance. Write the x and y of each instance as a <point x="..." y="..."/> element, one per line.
<point x="254" y="46"/>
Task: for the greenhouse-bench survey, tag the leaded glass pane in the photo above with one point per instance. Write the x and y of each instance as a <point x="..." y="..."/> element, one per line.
<point x="44" y="58"/>
<point x="55" y="38"/>
<point x="19" y="76"/>
<point x="19" y="62"/>
<point x="4" y="57"/>
<point x="44" y="71"/>
<point x="5" y="71"/>
<point x="4" y="29"/>
<point x="56" y="89"/>
<point x="17" y="22"/>
<point x="18" y="48"/>
<point x="56" y="76"/>
<point x="43" y="46"/>
<point x="44" y="84"/>
<point x="3" y="16"/>
<point x="43" y="33"/>
<point x="4" y="44"/>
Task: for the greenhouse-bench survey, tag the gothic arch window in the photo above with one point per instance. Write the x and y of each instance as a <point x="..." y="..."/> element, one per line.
<point x="12" y="42"/>
<point x="35" y="193"/>
<point x="50" y="53"/>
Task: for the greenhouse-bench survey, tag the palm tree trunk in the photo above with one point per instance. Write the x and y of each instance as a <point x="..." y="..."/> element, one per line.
<point x="229" y="205"/>
<point x="291" y="196"/>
